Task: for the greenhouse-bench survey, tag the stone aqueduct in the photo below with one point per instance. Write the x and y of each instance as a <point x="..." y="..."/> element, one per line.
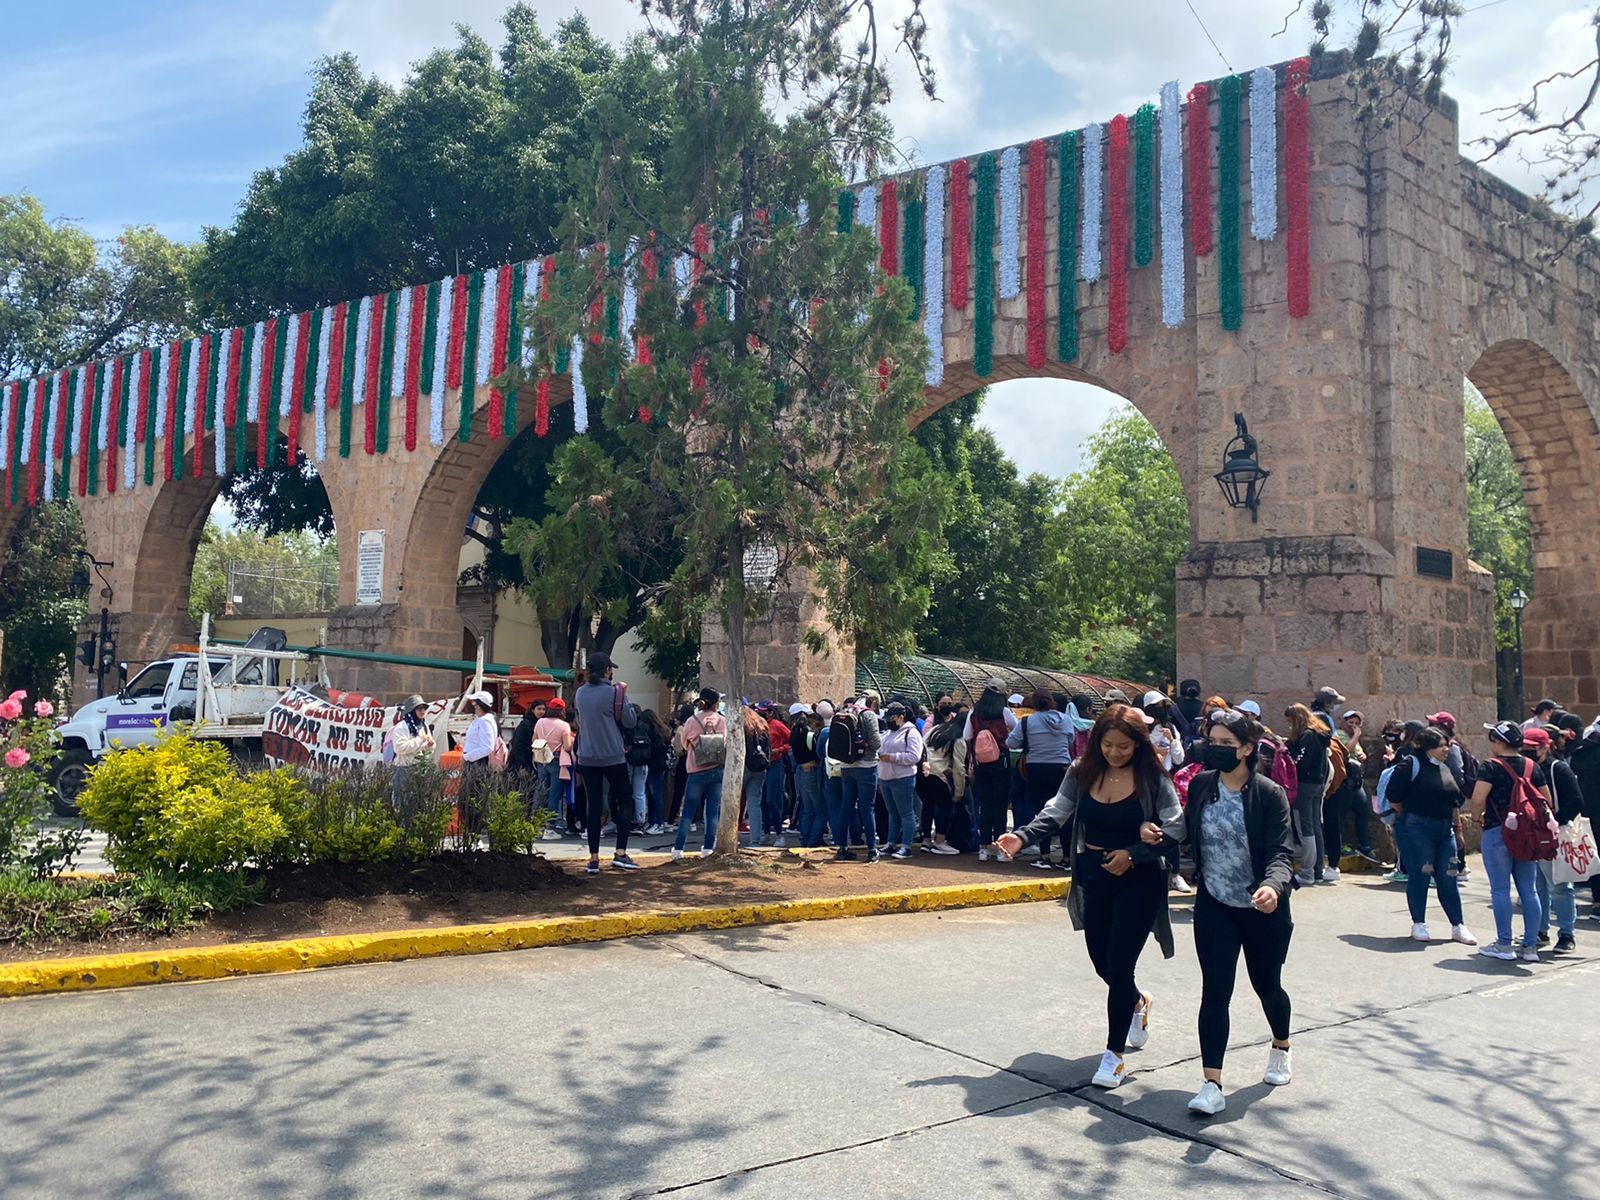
<point x="1424" y="270"/>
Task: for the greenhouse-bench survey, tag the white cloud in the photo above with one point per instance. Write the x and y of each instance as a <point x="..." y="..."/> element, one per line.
<point x="1044" y="424"/>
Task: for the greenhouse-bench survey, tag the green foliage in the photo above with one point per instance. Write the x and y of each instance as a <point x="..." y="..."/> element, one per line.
<point x="34" y="910"/>
<point x="360" y="816"/>
<point x="1498" y="536"/>
<point x="27" y="747"/>
<point x="509" y="825"/>
<point x="299" y="562"/>
<point x="38" y="612"/>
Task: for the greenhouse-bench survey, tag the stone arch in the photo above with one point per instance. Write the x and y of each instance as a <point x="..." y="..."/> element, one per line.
<point x="1555" y="439"/>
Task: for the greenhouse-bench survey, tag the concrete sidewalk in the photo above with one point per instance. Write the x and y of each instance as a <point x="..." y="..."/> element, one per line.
<point x="929" y="1055"/>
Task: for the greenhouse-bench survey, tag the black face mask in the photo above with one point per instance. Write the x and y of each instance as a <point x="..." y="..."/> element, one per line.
<point x="1219" y="758"/>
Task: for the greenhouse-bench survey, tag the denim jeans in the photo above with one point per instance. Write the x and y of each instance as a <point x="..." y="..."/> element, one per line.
<point x="1563" y="897"/>
<point x="1502" y="869"/>
<point x="858" y="790"/>
<point x="772" y="801"/>
<point x="833" y="808"/>
<point x="701" y="787"/>
<point x="813" y="813"/>
<point x="900" y="796"/>
<point x="554" y="789"/>
<point x="639" y="777"/>
<point x="755" y="786"/>
<point x="1429" y="846"/>
<point x="654" y="784"/>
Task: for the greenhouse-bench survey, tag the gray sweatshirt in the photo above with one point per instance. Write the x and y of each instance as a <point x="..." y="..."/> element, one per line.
<point x="1049" y="737"/>
<point x="600" y="741"/>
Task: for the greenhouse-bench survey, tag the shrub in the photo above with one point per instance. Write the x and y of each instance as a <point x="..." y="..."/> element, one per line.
<point x="510" y="827"/>
<point x="363" y="816"/>
<point x="44" y="910"/>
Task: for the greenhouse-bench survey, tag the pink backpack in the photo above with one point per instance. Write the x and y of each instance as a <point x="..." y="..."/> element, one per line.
<point x="1283" y="771"/>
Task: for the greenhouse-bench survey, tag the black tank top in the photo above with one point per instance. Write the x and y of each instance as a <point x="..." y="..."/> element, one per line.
<point x="1111" y="826"/>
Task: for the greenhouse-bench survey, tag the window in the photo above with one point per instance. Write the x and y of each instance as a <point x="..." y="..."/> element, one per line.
<point x="150" y="682"/>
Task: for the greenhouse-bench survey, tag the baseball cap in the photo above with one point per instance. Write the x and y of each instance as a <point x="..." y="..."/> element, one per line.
<point x="1251" y="707"/>
<point x="1442" y="718"/>
<point x="481" y="697"/>
<point x="872" y="696"/>
<point x="1014" y="698"/>
<point x="1544" y="704"/>
<point x="1535" y="737"/>
<point x="1117" y="696"/>
<point x="1329" y="695"/>
<point x="1356" y="712"/>
<point x="797" y="708"/>
<point x="599" y="661"/>
<point x="1508" y="733"/>
<point x="557" y="704"/>
<point x="1153" y="697"/>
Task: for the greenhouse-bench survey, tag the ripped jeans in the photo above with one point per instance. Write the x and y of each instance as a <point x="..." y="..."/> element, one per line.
<point x="1428" y="847"/>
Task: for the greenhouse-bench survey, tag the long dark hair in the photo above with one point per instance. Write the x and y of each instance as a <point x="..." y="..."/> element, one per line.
<point x="1146" y="764"/>
<point x="991" y="705"/>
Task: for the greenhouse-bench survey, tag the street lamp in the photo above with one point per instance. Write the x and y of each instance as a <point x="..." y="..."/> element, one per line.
<point x="1519" y="601"/>
<point x="1242" y="477"/>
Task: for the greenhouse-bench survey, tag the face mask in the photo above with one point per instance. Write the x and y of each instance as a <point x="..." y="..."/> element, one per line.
<point x="1220" y="758"/>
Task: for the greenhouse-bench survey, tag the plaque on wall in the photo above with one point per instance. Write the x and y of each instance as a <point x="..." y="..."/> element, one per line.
<point x="1436" y="564"/>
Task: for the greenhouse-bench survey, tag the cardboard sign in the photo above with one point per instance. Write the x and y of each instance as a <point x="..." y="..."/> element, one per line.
<point x="305" y="730"/>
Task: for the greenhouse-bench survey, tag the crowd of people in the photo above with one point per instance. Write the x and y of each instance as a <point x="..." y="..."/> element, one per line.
<point x="1138" y="799"/>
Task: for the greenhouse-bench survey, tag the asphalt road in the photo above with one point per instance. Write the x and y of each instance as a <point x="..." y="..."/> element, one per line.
<point x="929" y="1055"/>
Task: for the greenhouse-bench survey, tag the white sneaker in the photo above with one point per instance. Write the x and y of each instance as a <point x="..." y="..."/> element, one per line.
<point x="1496" y="950"/>
<point x="706" y="853"/>
<point x="1305" y="879"/>
<point x="1330" y="875"/>
<point x="1209" y="1101"/>
<point x="942" y="848"/>
<point x="1110" y="1073"/>
<point x="1530" y="954"/>
<point x="1029" y="852"/>
<point x="1139" y="1030"/>
<point x="1183" y="887"/>
<point x="1419" y="933"/>
<point x="983" y="854"/>
<point x="779" y="844"/>
<point x="1278" y="1072"/>
<point x="677" y="855"/>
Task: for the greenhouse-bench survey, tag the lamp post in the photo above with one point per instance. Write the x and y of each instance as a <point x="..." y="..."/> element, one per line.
<point x="1519" y="601"/>
<point x="1242" y="477"/>
<point x="99" y="651"/>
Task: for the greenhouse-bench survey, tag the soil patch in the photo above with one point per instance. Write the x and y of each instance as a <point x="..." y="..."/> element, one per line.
<point x="341" y="900"/>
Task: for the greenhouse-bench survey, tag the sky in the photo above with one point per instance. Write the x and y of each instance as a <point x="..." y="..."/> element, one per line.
<point x="157" y="113"/>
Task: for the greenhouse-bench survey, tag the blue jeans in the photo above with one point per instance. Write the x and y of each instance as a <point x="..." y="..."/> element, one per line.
<point x="1428" y="845"/>
<point x="701" y="786"/>
<point x="772" y="801"/>
<point x="1502" y="869"/>
<point x="858" y="790"/>
<point x="638" y="777"/>
<point x="900" y="797"/>
<point x="833" y="807"/>
<point x="654" y="784"/>
<point x="1563" y="897"/>
<point x="813" y="812"/>
<point x="554" y="789"/>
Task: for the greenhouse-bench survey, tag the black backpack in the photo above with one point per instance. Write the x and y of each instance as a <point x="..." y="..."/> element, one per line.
<point x="847" y="743"/>
<point x="757" y="752"/>
<point x="640" y="744"/>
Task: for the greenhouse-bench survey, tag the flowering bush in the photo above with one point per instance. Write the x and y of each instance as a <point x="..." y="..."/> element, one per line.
<point x="27" y="747"/>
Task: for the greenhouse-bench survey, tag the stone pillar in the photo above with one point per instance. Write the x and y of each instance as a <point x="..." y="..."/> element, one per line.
<point x="778" y="664"/>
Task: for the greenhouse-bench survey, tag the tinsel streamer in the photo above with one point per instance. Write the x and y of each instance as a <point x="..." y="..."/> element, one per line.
<point x="271" y="382"/>
<point x="682" y="275"/>
<point x="441" y="367"/>
<point x="348" y="362"/>
<point x="630" y="303"/>
<point x="1144" y="185"/>
<point x="541" y="406"/>
<point x="191" y="386"/>
<point x="370" y="394"/>
<point x="1263" y="154"/>
<point x="960" y="235"/>
<point x="1200" y="169"/>
<point x="1010" y="223"/>
<point x="94" y="391"/>
<point x="296" y="386"/>
<point x="1172" y="250"/>
<point x="227" y="383"/>
<point x="253" y="384"/>
<point x="1117" y="201"/>
<point x="135" y="401"/>
<point x="580" y="395"/>
<point x="933" y="275"/>
<point x="1093" y="200"/>
<point x="8" y="393"/>
<point x="488" y="318"/>
<point x="214" y="377"/>
<point x="552" y="277"/>
<point x="400" y="357"/>
<point x="1068" y="152"/>
<point x="177" y="369"/>
<point x="1297" y="182"/>
<point x="531" y="283"/>
<point x="1230" y="281"/>
<point x="35" y="445"/>
<point x="1036" y="253"/>
<point x="416" y="335"/>
<point x="386" y="353"/>
<point x="151" y="379"/>
<point x="121" y="435"/>
<point x="104" y="419"/>
<point x="31" y="391"/>
<point x="594" y="321"/>
<point x="649" y="263"/>
<point x="469" y="382"/>
<point x="499" y="338"/>
<point x="511" y="352"/>
<point x="364" y="314"/>
<point x="311" y="337"/>
<point x="326" y="370"/>
<point x="166" y="393"/>
<point x="911" y="266"/>
<point x="55" y="398"/>
<point x="847" y="211"/>
<point x="205" y="395"/>
<point x="79" y="435"/>
<point x="61" y="459"/>
<point x="432" y="338"/>
<point x="983" y="271"/>
<point x="889" y="227"/>
<point x="247" y="378"/>
<point x="15" y="431"/>
<point x="867" y="208"/>
<point x="613" y="261"/>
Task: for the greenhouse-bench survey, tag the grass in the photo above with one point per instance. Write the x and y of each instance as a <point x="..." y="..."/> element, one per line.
<point x="97" y="910"/>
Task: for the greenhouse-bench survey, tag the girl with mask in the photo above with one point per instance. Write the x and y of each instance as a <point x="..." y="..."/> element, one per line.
<point x="1238" y="826"/>
<point x="1424" y="795"/>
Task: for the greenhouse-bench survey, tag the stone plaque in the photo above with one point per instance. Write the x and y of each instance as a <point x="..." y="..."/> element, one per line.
<point x="369" y="566"/>
<point x="1437" y="564"/>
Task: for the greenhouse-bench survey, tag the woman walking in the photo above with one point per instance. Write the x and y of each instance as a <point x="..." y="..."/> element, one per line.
<point x="1242" y="839"/>
<point x="1424" y="795"/>
<point x="1491" y="795"/>
<point x="1127" y="823"/>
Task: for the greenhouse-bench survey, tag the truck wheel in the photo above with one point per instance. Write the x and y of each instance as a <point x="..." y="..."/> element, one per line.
<point x="68" y="774"/>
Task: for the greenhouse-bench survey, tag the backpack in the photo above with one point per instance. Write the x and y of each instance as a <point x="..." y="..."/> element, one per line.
<point x="499" y="755"/>
<point x="757" y="752"/>
<point x="640" y="744"/>
<point x="1469" y="770"/>
<point x="1380" y="795"/>
<point x="542" y="752"/>
<point x="710" y="748"/>
<point x="1282" y="770"/>
<point x="1528" y="828"/>
<point x="985" y="748"/>
<point x="1338" y="766"/>
<point x="1182" y="778"/>
<point x="847" y="742"/>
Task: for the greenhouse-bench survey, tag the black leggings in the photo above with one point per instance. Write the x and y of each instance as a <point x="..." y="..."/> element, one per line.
<point x="990" y="784"/>
<point x="1119" y="911"/>
<point x="596" y="781"/>
<point x="1220" y="932"/>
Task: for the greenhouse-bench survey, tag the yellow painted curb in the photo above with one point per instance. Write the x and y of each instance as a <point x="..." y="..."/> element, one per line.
<point x="98" y="972"/>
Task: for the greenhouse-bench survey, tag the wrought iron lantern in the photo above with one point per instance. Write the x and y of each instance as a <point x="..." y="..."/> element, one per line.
<point x="1242" y="477"/>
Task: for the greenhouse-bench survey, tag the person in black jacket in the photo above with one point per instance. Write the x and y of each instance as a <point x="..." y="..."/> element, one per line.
<point x="1539" y="745"/>
<point x="1308" y="738"/>
<point x="1425" y="797"/>
<point x="1240" y="832"/>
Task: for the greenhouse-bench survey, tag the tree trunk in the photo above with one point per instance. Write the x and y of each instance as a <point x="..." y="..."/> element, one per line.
<point x="733" y="772"/>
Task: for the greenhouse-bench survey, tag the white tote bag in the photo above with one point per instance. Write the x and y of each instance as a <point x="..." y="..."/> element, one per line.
<point x="1577" y="856"/>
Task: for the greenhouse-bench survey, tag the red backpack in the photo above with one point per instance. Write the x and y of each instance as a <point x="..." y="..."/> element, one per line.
<point x="1282" y="770"/>
<point x="1529" y="831"/>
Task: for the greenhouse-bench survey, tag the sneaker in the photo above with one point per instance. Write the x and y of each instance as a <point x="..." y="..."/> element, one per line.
<point x="873" y="856"/>
<point x="1002" y="856"/>
<point x="677" y="855"/>
<point x="1566" y="944"/>
<point x="941" y="848"/>
<point x="1044" y="864"/>
<point x="1278" y="1071"/>
<point x="707" y="853"/>
<point x="1368" y="856"/>
<point x="1181" y="885"/>
<point x="1139" y="1030"/>
<point x="1419" y="933"/>
<point x="1209" y="1101"/>
<point x="1460" y="933"/>
<point x="694" y="826"/>
<point x="550" y="835"/>
<point x="1462" y="874"/>
<point x="779" y="844"/>
<point x="1395" y="876"/>
<point x="1330" y="875"/>
<point x="1306" y="879"/>
<point x="1544" y="940"/>
<point x="592" y="869"/>
<point x="983" y="854"/>
<point x="843" y="855"/>
<point x="1496" y="950"/>
<point x="608" y="829"/>
<point x="1028" y="852"/>
<point x="1110" y="1073"/>
<point x="901" y="852"/>
<point x="622" y="862"/>
<point x="1530" y="954"/>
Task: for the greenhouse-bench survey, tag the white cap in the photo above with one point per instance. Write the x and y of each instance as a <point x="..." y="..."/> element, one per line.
<point x="481" y="697"/>
<point x="797" y="708"/>
<point x="1251" y="707"/>
<point x="1016" y="698"/>
<point x="1152" y="698"/>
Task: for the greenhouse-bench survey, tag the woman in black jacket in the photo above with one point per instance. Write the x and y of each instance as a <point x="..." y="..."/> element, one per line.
<point x="1240" y="833"/>
<point x="1308" y="738"/>
<point x="1424" y="795"/>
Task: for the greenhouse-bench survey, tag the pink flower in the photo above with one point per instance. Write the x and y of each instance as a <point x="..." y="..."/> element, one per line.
<point x="10" y="710"/>
<point x="16" y="757"/>
<point x="44" y="708"/>
<point x="19" y="695"/>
